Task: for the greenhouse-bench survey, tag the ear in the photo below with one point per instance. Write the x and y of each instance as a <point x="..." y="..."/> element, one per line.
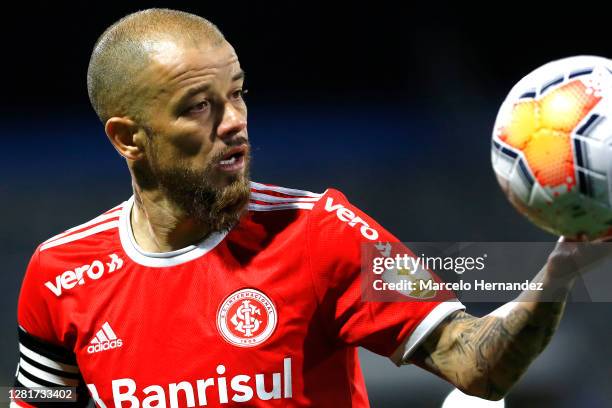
<point x="126" y="136"/>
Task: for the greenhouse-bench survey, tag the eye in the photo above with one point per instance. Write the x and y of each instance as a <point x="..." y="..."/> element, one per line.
<point x="199" y="107"/>
<point x="239" y="93"/>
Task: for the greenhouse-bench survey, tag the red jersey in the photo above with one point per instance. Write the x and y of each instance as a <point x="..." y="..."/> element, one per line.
<point x="268" y="314"/>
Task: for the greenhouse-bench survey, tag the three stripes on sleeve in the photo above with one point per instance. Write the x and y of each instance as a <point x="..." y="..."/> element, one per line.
<point x="46" y="365"/>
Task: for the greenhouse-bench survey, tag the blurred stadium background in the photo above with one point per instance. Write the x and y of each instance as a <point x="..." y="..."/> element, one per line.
<point x="393" y="107"/>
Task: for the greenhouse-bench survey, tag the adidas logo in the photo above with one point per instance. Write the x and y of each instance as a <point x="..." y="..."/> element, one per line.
<point x="105" y="339"/>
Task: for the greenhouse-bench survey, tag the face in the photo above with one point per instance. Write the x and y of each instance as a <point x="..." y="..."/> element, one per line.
<point x="196" y="149"/>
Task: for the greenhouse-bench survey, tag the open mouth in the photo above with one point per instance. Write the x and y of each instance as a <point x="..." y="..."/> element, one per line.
<point x="234" y="159"/>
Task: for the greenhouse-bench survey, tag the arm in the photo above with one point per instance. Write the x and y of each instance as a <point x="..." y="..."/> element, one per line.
<point x="44" y="360"/>
<point x="486" y="356"/>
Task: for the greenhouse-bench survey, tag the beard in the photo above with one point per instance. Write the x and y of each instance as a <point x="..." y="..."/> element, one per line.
<point x="215" y="206"/>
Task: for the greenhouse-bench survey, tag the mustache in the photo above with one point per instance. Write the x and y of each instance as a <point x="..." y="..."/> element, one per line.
<point x="230" y="144"/>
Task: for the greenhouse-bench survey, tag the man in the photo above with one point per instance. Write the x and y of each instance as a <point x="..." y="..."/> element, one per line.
<point x="206" y="289"/>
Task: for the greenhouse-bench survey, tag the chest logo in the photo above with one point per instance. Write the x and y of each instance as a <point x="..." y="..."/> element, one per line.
<point x="84" y="273"/>
<point x="246" y="318"/>
<point x="105" y="339"/>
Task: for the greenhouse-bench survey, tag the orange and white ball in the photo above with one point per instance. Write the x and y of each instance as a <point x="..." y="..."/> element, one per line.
<point x="552" y="146"/>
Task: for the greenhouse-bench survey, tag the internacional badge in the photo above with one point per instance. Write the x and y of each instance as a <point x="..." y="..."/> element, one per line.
<point x="247" y="318"/>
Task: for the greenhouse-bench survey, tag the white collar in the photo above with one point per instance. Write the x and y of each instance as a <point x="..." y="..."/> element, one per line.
<point x="161" y="259"/>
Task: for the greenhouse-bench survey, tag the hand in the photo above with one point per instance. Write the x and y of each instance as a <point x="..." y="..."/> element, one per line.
<point x="571" y="257"/>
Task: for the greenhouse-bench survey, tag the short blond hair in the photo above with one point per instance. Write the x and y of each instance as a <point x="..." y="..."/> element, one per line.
<point x="119" y="54"/>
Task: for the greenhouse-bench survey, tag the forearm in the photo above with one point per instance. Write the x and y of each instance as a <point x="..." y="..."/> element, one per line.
<point x="517" y="333"/>
<point x="486" y="356"/>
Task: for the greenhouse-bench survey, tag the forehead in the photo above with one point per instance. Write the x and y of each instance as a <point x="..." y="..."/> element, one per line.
<point x="175" y="65"/>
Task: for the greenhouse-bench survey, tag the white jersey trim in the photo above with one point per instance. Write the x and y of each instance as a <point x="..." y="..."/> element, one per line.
<point x="277" y="207"/>
<point x="267" y="198"/>
<point x="427" y="325"/>
<point x="98" y="219"/>
<point x="161" y="259"/>
<point x="284" y="190"/>
<point x="80" y="235"/>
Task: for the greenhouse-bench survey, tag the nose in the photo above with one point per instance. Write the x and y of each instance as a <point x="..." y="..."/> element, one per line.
<point x="232" y="122"/>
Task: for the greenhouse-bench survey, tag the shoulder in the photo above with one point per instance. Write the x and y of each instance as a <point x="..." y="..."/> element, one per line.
<point x="329" y="209"/>
<point x="107" y="221"/>
<point x="276" y="204"/>
<point x="269" y="197"/>
<point x="286" y="208"/>
<point x="57" y="265"/>
<point x="74" y="245"/>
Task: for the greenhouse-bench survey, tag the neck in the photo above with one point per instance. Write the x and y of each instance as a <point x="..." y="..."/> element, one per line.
<point x="159" y="225"/>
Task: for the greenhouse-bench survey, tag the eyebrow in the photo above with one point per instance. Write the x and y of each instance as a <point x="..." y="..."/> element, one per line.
<point x="239" y="75"/>
<point x="194" y="91"/>
<point x="204" y="87"/>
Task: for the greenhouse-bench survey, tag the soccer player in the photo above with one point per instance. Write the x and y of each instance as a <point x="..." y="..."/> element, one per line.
<point x="207" y="289"/>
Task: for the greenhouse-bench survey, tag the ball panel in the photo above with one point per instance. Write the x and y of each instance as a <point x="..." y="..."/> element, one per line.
<point x="564" y="107"/>
<point x="539" y="196"/>
<point x="572" y="214"/>
<point x="523" y="124"/>
<point x="520" y="182"/>
<point x="549" y="156"/>
<point x="502" y="163"/>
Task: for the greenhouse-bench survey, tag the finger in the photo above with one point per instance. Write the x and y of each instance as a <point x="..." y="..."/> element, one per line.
<point x="583" y="237"/>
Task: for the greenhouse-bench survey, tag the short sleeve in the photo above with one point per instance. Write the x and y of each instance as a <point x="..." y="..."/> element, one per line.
<point x="336" y="233"/>
<point x="44" y="358"/>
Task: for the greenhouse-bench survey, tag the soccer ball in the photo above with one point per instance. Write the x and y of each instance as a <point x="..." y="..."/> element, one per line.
<point x="552" y="146"/>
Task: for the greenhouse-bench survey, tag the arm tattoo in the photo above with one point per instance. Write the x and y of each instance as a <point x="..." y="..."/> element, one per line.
<point x="486" y="356"/>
